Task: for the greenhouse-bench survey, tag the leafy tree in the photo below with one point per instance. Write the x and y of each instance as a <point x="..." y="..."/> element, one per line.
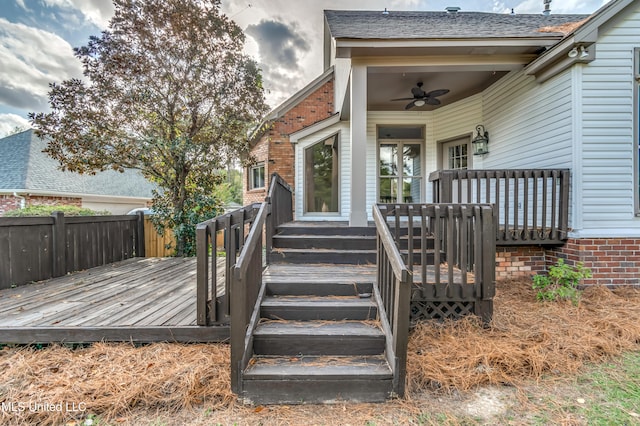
<point x="168" y="92"/>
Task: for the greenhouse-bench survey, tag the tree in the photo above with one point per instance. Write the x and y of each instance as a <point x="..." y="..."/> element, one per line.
<point x="170" y="93"/>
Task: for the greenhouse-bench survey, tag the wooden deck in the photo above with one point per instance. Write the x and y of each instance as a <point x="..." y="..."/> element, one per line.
<point x="139" y="300"/>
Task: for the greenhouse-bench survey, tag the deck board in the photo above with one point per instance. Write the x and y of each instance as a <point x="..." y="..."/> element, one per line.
<point x="139" y="300"/>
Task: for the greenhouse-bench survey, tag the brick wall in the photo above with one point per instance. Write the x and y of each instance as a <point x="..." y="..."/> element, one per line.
<point x="10" y="202"/>
<point x="275" y="148"/>
<point x="613" y="261"/>
<point x="519" y="261"/>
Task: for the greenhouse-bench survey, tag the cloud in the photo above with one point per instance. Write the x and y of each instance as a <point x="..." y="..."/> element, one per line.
<point x="279" y="43"/>
<point x="31" y="59"/>
<point x="96" y="12"/>
<point x="9" y="122"/>
<point x="281" y="48"/>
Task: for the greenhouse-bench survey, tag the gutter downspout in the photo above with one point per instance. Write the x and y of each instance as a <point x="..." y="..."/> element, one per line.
<point x="23" y="201"/>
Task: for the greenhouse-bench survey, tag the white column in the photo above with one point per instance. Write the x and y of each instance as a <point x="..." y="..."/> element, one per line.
<point x="358" y="215"/>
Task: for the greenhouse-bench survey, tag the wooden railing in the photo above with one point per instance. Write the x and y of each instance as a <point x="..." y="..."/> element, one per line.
<point x="212" y="307"/>
<point x="449" y="250"/>
<point x="280" y="201"/>
<point x="532" y="204"/>
<point x="39" y="248"/>
<point x="394" y="289"/>
<point x="244" y="231"/>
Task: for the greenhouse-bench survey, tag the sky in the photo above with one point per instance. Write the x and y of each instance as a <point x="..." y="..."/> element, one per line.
<point x="284" y="36"/>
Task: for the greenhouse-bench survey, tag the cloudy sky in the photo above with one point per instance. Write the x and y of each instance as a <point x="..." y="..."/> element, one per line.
<point x="285" y="36"/>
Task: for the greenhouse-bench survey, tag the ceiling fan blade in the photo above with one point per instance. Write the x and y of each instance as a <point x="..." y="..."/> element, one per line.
<point x="410" y="105"/>
<point x="403" y="99"/>
<point x="435" y="93"/>
<point x="432" y="101"/>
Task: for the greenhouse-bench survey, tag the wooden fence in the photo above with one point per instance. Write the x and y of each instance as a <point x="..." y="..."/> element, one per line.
<point x="39" y="248"/>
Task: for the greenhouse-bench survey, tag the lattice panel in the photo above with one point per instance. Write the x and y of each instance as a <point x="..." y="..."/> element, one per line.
<point x="422" y="309"/>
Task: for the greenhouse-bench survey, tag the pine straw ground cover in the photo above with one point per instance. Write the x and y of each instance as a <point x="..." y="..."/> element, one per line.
<point x="189" y="384"/>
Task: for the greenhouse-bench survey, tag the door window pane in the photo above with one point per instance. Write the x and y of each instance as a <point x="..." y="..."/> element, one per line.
<point x="388" y="190"/>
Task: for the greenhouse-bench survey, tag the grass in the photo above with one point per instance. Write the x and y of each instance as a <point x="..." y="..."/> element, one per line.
<point x="616" y="399"/>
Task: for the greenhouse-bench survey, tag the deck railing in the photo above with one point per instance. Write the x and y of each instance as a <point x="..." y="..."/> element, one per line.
<point x="450" y="251"/>
<point x="394" y="287"/>
<point x="39" y="248"/>
<point x="532" y="204"/>
<point x="280" y="201"/>
<point x="212" y="308"/>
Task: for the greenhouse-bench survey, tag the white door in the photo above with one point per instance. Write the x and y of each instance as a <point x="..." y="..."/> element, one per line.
<point x="457" y="155"/>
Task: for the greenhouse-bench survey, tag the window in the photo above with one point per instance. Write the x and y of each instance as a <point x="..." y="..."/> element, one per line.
<point x="256" y="176"/>
<point x="455" y="154"/>
<point x="322" y="183"/>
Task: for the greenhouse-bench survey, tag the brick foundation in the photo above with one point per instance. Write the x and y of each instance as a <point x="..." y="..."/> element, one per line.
<point x="519" y="261"/>
<point x="613" y="261"/>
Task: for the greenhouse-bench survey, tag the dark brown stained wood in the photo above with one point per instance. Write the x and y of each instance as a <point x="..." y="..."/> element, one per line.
<point x="318" y="288"/>
<point x="533" y="203"/>
<point x="150" y="334"/>
<point x="308" y="308"/>
<point x="318" y="338"/>
<point x="34" y="249"/>
<point x="140" y="299"/>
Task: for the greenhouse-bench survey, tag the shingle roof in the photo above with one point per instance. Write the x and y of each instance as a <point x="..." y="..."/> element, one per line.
<point x="23" y="165"/>
<point x="443" y="25"/>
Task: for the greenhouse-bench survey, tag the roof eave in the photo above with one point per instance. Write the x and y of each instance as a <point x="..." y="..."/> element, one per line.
<point x="555" y="59"/>
<point x="290" y="103"/>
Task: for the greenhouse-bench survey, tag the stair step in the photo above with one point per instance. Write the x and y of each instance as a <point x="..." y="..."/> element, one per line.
<point x="318" y="338"/>
<point x="356" y="257"/>
<point x="324" y="228"/>
<point x="298" y="380"/>
<point x="318" y="288"/>
<point x="325" y="241"/>
<point x="318" y="308"/>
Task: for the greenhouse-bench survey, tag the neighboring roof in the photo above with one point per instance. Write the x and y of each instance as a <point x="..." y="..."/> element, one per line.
<point x="353" y="24"/>
<point x="26" y="167"/>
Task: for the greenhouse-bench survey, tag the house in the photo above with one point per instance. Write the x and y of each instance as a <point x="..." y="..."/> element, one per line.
<point x="29" y="176"/>
<point x="405" y="94"/>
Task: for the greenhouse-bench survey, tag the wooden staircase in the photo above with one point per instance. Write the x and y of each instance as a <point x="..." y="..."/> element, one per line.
<point x="324" y="242"/>
<point x="318" y="342"/>
<point x="319" y="338"/>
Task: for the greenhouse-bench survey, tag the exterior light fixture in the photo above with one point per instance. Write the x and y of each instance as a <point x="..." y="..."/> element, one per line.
<point x="583" y="52"/>
<point x="481" y="141"/>
<point x="573" y="52"/>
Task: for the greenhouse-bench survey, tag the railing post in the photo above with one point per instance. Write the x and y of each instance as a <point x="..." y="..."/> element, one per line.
<point x="140" y="238"/>
<point x="484" y="305"/>
<point x="202" y="275"/>
<point x="402" y="314"/>
<point x="59" y="256"/>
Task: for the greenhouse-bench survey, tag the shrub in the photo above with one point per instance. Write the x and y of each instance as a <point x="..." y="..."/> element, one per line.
<point x="46" y="210"/>
<point x="561" y="283"/>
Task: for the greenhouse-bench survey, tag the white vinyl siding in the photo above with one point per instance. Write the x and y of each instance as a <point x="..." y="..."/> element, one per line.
<point x="529" y="124"/>
<point x="609" y="187"/>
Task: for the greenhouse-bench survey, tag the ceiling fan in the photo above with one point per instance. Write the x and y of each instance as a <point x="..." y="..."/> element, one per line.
<point x="420" y="97"/>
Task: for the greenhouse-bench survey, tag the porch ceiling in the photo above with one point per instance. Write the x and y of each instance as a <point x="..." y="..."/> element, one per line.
<point x="386" y="84"/>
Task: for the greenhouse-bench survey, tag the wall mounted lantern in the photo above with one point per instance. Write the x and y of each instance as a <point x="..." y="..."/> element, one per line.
<point x="481" y="141"/>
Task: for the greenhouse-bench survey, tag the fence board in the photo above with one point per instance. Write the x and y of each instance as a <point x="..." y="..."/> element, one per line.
<point x="38" y="248"/>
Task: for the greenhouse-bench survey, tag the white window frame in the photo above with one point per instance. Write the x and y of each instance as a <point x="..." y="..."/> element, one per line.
<point x="252" y="169"/>
<point x="636" y="128"/>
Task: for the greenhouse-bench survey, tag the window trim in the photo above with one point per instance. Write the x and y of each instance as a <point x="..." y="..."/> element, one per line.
<point x="257" y="166"/>
<point x="338" y="141"/>
<point x="636" y="129"/>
